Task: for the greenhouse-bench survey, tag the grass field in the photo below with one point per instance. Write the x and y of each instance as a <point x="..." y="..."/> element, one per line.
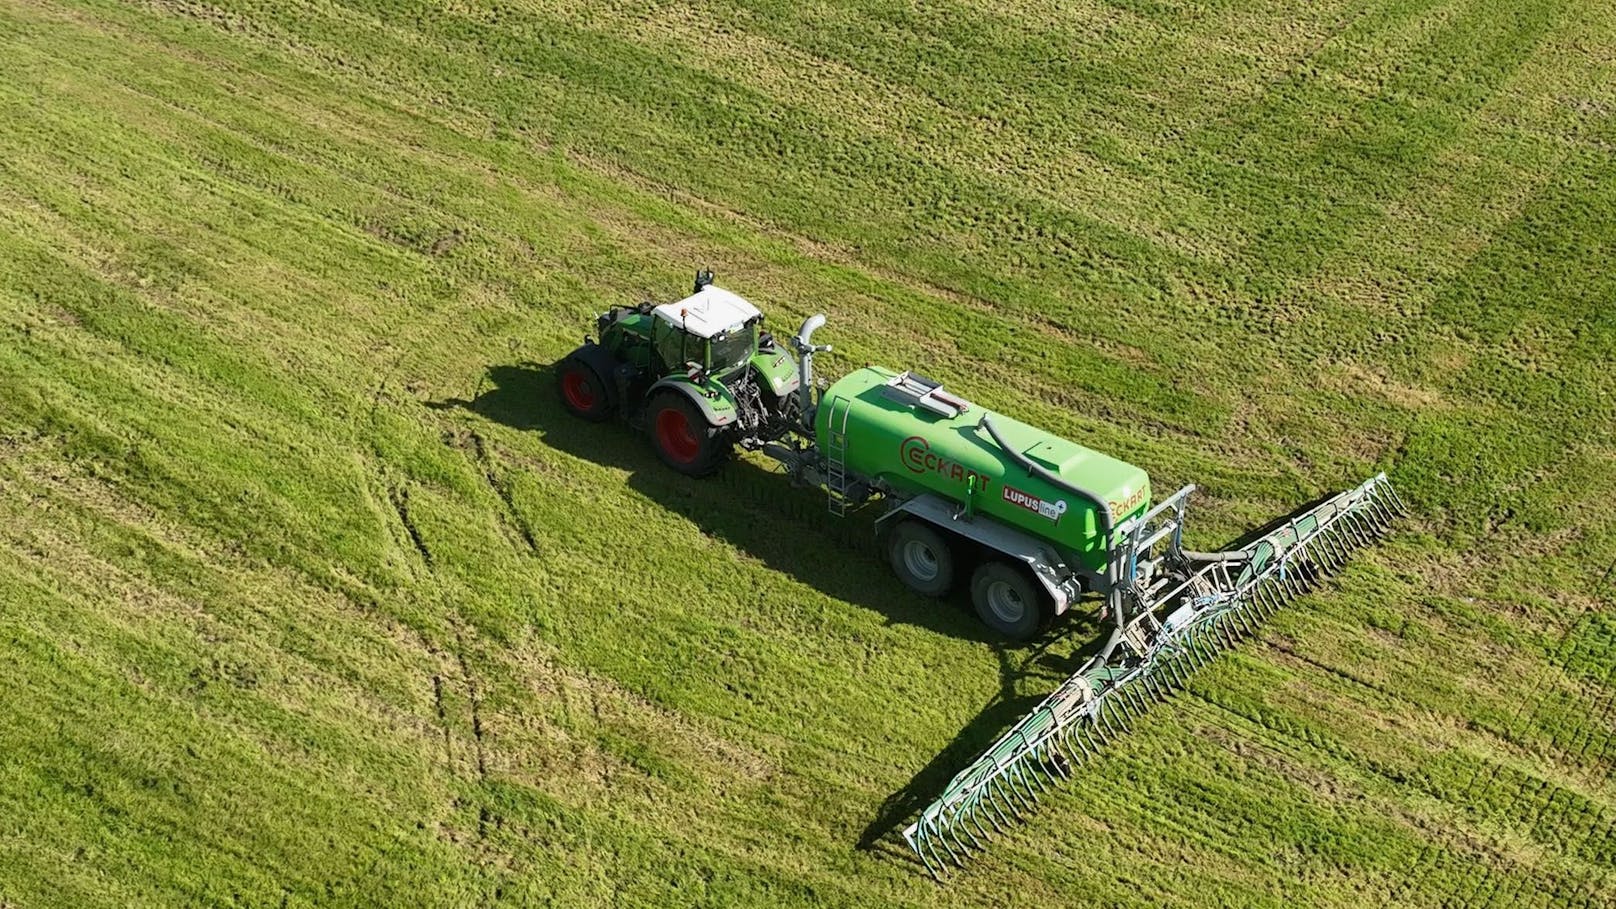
<point x="311" y="595"/>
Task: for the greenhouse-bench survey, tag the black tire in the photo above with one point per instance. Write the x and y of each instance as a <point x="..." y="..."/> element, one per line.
<point x="682" y="437"/>
<point x="1008" y="601"/>
<point x="921" y="558"/>
<point x="582" y="391"/>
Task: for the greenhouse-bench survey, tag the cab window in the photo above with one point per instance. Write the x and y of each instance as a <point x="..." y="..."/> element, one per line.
<point x="732" y="348"/>
<point x="674" y="348"/>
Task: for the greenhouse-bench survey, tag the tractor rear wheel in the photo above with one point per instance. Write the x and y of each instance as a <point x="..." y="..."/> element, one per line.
<point x="1008" y="601"/>
<point x="921" y="558"/>
<point x="583" y="393"/>
<point x="683" y="438"/>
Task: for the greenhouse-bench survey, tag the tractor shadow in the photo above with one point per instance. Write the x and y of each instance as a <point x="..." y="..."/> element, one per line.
<point x="748" y="504"/>
<point x="756" y="509"/>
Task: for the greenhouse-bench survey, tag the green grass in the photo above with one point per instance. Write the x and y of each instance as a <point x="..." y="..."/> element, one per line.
<point x="311" y="595"/>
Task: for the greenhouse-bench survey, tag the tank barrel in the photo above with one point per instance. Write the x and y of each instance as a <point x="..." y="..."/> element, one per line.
<point x="911" y="436"/>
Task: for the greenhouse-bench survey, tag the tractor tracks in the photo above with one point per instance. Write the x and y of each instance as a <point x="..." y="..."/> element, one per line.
<point x="452" y="676"/>
<point x="474" y="696"/>
<point x="513" y="523"/>
<point x="399" y="496"/>
<point x="454" y="671"/>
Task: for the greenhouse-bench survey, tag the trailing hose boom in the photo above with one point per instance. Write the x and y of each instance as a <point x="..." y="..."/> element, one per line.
<point x="1179" y="609"/>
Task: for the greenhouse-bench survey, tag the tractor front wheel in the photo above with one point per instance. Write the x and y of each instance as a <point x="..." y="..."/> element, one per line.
<point x="683" y="438"/>
<point x="583" y="393"/>
<point x="1008" y="601"/>
<point x="921" y="558"/>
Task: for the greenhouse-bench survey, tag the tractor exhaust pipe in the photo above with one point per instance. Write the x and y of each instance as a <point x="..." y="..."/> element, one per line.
<point x="805" y="365"/>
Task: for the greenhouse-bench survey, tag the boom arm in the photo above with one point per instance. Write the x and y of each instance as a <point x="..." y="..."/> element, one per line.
<point x="1219" y="601"/>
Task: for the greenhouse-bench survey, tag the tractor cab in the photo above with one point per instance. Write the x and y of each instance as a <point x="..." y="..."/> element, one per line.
<point x="712" y="328"/>
<point x="700" y="374"/>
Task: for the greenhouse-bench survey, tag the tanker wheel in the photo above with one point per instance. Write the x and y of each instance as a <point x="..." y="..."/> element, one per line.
<point x="921" y="558"/>
<point x="582" y="392"/>
<point x="682" y="437"/>
<point x="1009" y="602"/>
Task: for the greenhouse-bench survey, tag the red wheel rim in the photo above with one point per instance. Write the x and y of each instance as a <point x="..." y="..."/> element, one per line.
<point x="675" y="436"/>
<point x="575" y="388"/>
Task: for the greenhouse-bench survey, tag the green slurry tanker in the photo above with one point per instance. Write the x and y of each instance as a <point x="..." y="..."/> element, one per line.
<point x="1029" y="522"/>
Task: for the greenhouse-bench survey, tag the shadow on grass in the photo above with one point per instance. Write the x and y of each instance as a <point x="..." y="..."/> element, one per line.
<point x="1034" y="670"/>
<point x="757" y="510"/>
<point x="748" y="504"/>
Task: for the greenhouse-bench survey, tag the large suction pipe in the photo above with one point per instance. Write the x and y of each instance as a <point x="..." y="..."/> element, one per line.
<point x="806" y="349"/>
<point x="1101" y="506"/>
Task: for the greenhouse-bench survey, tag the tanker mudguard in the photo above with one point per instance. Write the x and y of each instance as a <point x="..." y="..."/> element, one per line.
<point x="719" y="411"/>
<point x="1054" y="575"/>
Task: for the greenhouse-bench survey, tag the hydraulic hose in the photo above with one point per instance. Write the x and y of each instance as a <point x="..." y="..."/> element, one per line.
<point x="1233" y="555"/>
<point x="1107" y="521"/>
<point x="1107" y="527"/>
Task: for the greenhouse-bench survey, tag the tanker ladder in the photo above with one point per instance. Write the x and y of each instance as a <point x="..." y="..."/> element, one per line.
<point x="837" y="482"/>
<point x="1173" y="612"/>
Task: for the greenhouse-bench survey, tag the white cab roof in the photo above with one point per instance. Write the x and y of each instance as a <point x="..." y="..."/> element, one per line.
<point x="709" y="311"/>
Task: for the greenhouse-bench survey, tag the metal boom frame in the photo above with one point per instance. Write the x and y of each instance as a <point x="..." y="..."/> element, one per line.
<point x="1216" y="599"/>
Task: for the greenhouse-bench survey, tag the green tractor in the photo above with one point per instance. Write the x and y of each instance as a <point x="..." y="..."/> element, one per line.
<point x="700" y="375"/>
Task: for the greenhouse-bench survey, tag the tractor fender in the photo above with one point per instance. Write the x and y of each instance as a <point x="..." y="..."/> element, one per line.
<point x="777" y="370"/>
<point x="604" y="365"/>
<point x="719" y="411"/>
<point x="1062" y="581"/>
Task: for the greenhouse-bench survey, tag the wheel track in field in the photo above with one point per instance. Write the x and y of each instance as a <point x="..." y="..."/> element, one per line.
<point x="399" y="497"/>
<point x="514" y="523"/>
<point x="423" y="568"/>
